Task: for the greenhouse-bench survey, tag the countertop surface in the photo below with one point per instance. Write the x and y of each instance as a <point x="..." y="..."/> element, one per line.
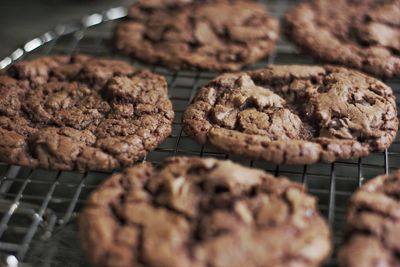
<point x="22" y="20"/>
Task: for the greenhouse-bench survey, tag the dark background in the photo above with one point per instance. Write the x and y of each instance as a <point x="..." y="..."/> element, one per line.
<point x="22" y="20"/>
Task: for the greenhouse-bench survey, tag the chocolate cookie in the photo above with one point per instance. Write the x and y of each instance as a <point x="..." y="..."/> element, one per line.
<point x="81" y="113"/>
<point x="363" y="34"/>
<point x="294" y="114"/>
<point x="373" y="221"/>
<point x="202" y="212"/>
<point x="205" y="34"/>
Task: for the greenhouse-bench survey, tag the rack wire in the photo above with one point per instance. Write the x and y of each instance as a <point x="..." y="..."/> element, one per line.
<point x="38" y="208"/>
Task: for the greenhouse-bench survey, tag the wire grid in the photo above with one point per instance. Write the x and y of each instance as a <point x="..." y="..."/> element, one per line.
<point x="38" y="208"/>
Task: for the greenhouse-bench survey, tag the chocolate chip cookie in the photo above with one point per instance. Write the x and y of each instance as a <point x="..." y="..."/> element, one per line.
<point x="197" y="34"/>
<point x="294" y="114"/>
<point x="363" y="34"/>
<point x="373" y="237"/>
<point x="202" y="212"/>
<point x="82" y="113"/>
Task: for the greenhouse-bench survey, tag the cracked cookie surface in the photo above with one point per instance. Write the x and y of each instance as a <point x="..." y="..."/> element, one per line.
<point x="373" y="224"/>
<point x="202" y="212"/>
<point x="294" y="114"/>
<point x="363" y="34"/>
<point x="82" y="113"/>
<point x="211" y="34"/>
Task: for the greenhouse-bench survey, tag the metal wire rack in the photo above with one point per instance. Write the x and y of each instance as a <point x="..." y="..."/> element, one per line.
<point x="38" y="208"/>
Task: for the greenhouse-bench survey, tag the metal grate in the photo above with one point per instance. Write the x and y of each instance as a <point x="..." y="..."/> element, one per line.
<point x="38" y="208"/>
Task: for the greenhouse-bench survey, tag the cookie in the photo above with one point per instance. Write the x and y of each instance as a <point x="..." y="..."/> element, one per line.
<point x="202" y="212"/>
<point x="294" y="114"/>
<point x="363" y="34"/>
<point x="67" y="113"/>
<point x="197" y="34"/>
<point x="373" y="224"/>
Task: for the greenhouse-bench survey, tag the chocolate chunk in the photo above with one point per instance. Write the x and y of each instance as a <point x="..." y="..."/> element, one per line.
<point x="362" y="34"/>
<point x="213" y="35"/>
<point x="373" y="224"/>
<point x="81" y="113"/>
<point x="294" y="114"/>
<point x="202" y="212"/>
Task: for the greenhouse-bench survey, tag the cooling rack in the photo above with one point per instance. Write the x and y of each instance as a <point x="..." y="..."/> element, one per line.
<point x="38" y="208"/>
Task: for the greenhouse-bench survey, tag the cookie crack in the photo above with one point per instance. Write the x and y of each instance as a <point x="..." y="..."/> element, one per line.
<point x="380" y="238"/>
